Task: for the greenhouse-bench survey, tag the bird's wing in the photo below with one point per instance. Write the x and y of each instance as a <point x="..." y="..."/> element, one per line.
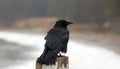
<point x="55" y="48"/>
<point x="56" y="40"/>
<point x="62" y="43"/>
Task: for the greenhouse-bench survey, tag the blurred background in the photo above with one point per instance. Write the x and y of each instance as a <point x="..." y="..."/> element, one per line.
<point x="24" y="23"/>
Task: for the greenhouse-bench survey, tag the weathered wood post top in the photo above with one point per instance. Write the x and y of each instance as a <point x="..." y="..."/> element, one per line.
<point x="61" y="63"/>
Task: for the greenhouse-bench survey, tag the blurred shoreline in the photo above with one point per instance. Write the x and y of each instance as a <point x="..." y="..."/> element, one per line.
<point x="78" y="36"/>
<point x="97" y="37"/>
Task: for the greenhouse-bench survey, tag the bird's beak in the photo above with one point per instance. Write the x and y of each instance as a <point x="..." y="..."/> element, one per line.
<point x="70" y="23"/>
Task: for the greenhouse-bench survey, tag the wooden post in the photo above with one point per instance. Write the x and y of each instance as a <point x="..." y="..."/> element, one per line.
<point x="61" y="63"/>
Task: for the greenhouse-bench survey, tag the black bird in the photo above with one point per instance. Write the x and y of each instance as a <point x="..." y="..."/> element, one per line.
<point x="56" y="42"/>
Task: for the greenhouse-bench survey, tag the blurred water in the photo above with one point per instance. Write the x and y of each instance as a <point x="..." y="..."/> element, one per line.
<point x="12" y="53"/>
<point x="81" y="55"/>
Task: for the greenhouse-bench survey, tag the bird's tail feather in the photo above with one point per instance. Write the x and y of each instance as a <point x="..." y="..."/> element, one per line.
<point x="50" y="58"/>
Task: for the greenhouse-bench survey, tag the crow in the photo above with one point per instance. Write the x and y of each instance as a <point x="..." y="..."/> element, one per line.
<point x="56" y="42"/>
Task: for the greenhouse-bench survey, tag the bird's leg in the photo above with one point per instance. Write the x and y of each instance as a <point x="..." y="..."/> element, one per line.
<point x="59" y="54"/>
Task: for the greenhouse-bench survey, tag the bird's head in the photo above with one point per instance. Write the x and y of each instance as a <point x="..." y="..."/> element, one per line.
<point x="62" y="23"/>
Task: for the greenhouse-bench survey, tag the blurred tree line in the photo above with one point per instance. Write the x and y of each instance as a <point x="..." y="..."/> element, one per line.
<point x="77" y="10"/>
